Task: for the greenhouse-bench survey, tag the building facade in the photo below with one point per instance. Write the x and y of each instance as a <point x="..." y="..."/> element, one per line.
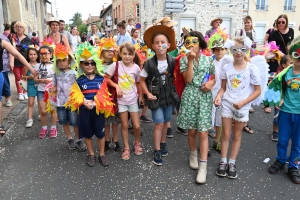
<point x="198" y="15"/>
<point x="125" y="9"/>
<point x="106" y="20"/>
<point x="265" y="12"/>
<point x="31" y="12"/>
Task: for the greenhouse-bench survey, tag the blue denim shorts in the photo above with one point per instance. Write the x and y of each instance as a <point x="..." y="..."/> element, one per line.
<point x="40" y="96"/>
<point x="162" y="114"/>
<point x="66" y="116"/>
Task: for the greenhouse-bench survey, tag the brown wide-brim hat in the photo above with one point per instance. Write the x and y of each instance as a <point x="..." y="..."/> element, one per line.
<point x="166" y="30"/>
<point x="52" y="19"/>
<point x="216" y="19"/>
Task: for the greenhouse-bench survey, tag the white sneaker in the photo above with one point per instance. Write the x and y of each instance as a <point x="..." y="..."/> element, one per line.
<point x="202" y="172"/>
<point x="193" y="160"/>
<point x="21" y="97"/>
<point x="8" y="103"/>
<point x="25" y="95"/>
<point x="29" y="123"/>
<point x="39" y="117"/>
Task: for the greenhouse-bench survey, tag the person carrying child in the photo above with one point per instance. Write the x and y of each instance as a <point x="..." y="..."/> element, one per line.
<point x="128" y="71"/>
<point x="157" y="84"/>
<point x="284" y="93"/>
<point x="240" y="86"/>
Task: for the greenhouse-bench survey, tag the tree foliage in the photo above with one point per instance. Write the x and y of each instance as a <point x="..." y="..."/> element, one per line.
<point x="76" y="19"/>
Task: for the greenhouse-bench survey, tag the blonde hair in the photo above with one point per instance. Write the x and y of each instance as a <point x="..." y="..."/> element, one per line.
<point x="241" y="40"/>
<point x="21" y="24"/>
<point x="250" y="19"/>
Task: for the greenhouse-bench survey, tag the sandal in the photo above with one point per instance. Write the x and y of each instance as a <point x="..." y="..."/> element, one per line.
<point x="2" y="131"/>
<point x="126" y="154"/>
<point x="248" y="129"/>
<point x="137" y="148"/>
<point x="267" y="110"/>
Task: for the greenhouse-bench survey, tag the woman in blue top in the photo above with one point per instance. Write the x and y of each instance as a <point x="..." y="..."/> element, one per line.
<point x="123" y="35"/>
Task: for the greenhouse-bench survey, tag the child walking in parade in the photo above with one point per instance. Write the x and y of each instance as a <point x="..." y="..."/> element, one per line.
<point x="33" y="58"/>
<point x="108" y="47"/>
<point x="287" y="85"/>
<point x="128" y="70"/>
<point x="216" y="45"/>
<point x="240" y="86"/>
<point x="64" y="78"/>
<point x="89" y="95"/>
<point x="44" y="77"/>
<point x="196" y="103"/>
<point x="157" y="83"/>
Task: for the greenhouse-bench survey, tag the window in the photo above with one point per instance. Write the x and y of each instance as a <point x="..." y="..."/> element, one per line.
<point x="227" y="25"/>
<point x="119" y="12"/>
<point x="190" y="22"/>
<point x="260" y="31"/>
<point x="137" y="10"/>
<point x="226" y="1"/>
<point x="289" y="5"/>
<point x="26" y="4"/>
<point x="145" y="4"/>
<point x="153" y="2"/>
<point x="262" y="5"/>
<point x="35" y="8"/>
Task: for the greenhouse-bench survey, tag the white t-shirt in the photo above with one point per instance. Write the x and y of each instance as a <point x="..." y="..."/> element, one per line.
<point x="45" y="72"/>
<point x="239" y="84"/>
<point x="127" y="79"/>
<point x="162" y="67"/>
<point x="128" y="28"/>
<point x="75" y="41"/>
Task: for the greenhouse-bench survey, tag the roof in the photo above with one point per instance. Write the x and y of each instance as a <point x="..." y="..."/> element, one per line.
<point x="92" y="19"/>
<point x="106" y="10"/>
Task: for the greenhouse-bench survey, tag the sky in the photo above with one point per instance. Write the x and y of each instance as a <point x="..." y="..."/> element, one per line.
<point x="67" y="8"/>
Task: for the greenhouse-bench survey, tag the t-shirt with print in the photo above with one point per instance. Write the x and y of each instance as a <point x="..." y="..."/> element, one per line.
<point x="239" y="84"/>
<point x="292" y="93"/>
<point x="127" y="79"/>
<point x="106" y="66"/>
<point x="64" y="82"/>
<point x="162" y="66"/>
<point x="88" y="87"/>
<point x="45" y="72"/>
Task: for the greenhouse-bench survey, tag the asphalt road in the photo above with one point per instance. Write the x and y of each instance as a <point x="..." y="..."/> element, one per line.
<point x="31" y="168"/>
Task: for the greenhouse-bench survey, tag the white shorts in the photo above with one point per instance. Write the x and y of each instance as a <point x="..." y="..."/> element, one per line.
<point x="228" y="111"/>
<point x="216" y="116"/>
<point x="130" y="108"/>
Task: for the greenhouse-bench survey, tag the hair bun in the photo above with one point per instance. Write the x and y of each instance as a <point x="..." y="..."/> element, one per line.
<point x="123" y="21"/>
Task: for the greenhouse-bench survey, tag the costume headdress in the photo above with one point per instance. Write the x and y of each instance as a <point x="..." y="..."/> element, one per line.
<point x="217" y="39"/>
<point x="108" y="44"/>
<point x="164" y="29"/>
<point x="61" y="52"/>
<point x="84" y="52"/>
<point x="295" y="48"/>
<point x="272" y="51"/>
<point x="141" y="49"/>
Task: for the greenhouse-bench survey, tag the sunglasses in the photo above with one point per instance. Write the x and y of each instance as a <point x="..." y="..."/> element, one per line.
<point x="281" y="22"/>
<point x="235" y="50"/>
<point x="89" y="63"/>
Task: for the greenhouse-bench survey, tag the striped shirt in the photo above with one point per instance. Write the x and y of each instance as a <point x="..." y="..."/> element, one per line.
<point x="89" y="88"/>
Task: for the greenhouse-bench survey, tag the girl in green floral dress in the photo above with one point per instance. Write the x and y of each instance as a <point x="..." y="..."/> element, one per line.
<point x="196" y="103"/>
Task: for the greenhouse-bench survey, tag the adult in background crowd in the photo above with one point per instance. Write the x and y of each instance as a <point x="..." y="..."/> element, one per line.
<point x="185" y="31"/>
<point x="215" y="23"/>
<point x="35" y="39"/>
<point x="248" y="31"/>
<point x="94" y="37"/>
<point x="282" y="35"/>
<point x="55" y="35"/>
<point x="83" y="37"/>
<point x="6" y="30"/>
<point x="20" y="41"/>
<point x="75" y="38"/>
<point x="6" y="69"/>
<point x="62" y="30"/>
<point x="135" y="33"/>
<point x="123" y="35"/>
<point x="130" y="26"/>
<point x="269" y="32"/>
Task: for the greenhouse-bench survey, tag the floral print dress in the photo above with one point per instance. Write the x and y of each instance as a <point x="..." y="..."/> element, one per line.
<point x="196" y="106"/>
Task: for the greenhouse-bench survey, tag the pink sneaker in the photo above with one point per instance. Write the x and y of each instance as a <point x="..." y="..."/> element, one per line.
<point x="53" y="133"/>
<point x="43" y="133"/>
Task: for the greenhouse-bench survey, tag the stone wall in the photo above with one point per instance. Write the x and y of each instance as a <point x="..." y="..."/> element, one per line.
<point x="202" y="10"/>
<point x="127" y="10"/>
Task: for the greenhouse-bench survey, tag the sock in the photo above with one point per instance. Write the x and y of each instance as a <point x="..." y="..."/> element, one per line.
<point x="44" y="127"/>
<point x="231" y="161"/>
<point x="53" y="127"/>
<point x="78" y="140"/>
<point x="193" y="153"/>
<point x="203" y="161"/>
<point x="223" y="160"/>
<point x="70" y="138"/>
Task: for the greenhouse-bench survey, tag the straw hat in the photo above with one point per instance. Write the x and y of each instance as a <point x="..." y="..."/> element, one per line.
<point x="165" y="21"/>
<point x="164" y="29"/>
<point x="216" y="19"/>
<point x="52" y="19"/>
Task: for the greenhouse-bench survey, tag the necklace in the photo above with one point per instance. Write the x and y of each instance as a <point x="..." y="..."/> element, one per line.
<point x="54" y="34"/>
